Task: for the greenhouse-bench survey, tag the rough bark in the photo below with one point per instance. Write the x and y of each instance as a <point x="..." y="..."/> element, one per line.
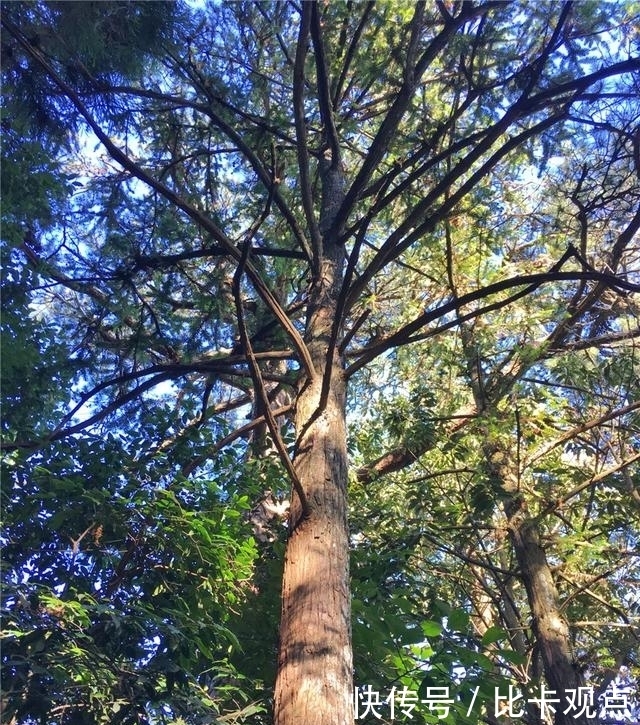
<point x="550" y="628"/>
<point x="315" y="663"/>
<point x="315" y="660"/>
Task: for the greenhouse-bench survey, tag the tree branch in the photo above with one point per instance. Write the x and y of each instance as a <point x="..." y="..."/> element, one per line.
<point x="234" y="435"/>
<point x="258" y="384"/>
<point x="195" y="214"/>
<point x="389" y="127"/>
<point x="578" y="430"/>
<point x="592" y="481"/>
<point x="403" y="336"/>
<point x="324" y="92"/>
<point x="302" y="150"/>
<point x="351" y="51"/>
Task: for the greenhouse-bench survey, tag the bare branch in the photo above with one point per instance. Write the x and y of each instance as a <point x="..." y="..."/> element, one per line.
<point x="324" y="92"/>
<point x="578" y="430"/>
<point x="389" y="127"/>
<point x="350" y="54"/>
<point x="260" y="390"/>
<point x="302" y="150"/>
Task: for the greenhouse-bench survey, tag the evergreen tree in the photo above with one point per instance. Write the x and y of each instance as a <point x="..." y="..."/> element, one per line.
<point x="272" y="220"/>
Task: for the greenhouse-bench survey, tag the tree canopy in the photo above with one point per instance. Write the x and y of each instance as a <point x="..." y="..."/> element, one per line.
<point x="320" y="376"/>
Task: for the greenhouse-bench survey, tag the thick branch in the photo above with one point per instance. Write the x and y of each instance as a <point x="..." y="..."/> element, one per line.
<point x="324" y="93"/>
<point x="223" y="365"/>
<point x="417" y="223"/>
<point x="192" y="212"/>
<point x="388" y="129"/>
<point x="422" y="218"/>
<point x="350" y="54"/>
<point x="531" y="281"/>
<point x="259" y="387"/>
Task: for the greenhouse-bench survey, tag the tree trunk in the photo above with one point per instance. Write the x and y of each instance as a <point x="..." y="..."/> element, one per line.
<point x="550" y="627"/>
<point x="314" y="681"/>
<point x="315" y="672"/>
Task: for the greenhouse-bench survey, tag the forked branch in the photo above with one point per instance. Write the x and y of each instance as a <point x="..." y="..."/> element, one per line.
<point x="259" y="386"/>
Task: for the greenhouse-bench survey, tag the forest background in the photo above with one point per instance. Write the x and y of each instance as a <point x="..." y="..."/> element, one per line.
<point x="319" y="359"/>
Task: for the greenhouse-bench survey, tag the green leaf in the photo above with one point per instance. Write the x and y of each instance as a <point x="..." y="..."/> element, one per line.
<point x="431" y="628"/>
<point x="492" y="635"/>
<point x="458" y="620"/>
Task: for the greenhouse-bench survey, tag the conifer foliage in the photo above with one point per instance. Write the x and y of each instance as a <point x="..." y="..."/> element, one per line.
<point x="320" y="362"/>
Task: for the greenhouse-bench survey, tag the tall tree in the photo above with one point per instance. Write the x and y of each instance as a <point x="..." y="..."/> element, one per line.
<point x="274" y="206"/>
